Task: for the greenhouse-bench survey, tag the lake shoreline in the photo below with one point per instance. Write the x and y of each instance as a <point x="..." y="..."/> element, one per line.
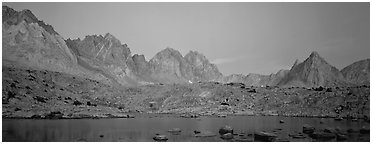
<point x="188" y="115"/>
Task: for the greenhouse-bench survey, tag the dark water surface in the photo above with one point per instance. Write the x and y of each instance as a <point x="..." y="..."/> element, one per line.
<point x="144" y="127"/>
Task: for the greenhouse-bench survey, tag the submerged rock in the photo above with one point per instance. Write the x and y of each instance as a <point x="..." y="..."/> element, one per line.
<point x="205" y="134"/>
<point x="175" y="131"/>
<point x="281" y="121"/>
<point x="364" y="130"/>
<point x="265" y="136"/>
<point x="297" y="136"/>
<point x="225" y="129"/>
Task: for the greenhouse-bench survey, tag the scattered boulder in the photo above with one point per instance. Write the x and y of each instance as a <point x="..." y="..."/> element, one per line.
<point x="54" y="115"/>
<point x="36" y="116"/>
<point x="265" y="136"/>
<point x="40" y="99"/>
<point x="17" y="109"/>
<point x="222" y="115"/>
<point x="160" y="138"/>
<point x="307" y="129"/>
<point x="252" y="91"/>
<point x="130" y="116"/>
<point x="225" y="104"/>
<point x="227" y="136"/>
<point x="320" y="88"/>
<point x="226" y="129"/>
<point x="76" y="103"/>
<point x="190" y="116"/>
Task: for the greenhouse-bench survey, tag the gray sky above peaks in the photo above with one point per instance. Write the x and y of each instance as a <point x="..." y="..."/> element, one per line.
<point x="240" y="38"/>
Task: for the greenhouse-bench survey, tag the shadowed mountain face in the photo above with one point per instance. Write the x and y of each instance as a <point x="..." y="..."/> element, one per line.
<point x="357" y="72"/>
<point x="30" y="43"/>
<point x="313" y="72"/>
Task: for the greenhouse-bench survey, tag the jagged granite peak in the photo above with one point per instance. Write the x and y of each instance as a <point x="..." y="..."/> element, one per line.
<point x="169" y="65"/>
<point x="203" y="70"/>
<point x="12" y="17"/>
<point x="314" y="54"/>
<point x="357" y="72"/>
<point x="104" y="48"/>
<point x="29" y="43"/>
<point x="142" y="66"/>
<point x="313" y="72"/>
<point x="295" y="63"/>
<point x="106" y="55"/>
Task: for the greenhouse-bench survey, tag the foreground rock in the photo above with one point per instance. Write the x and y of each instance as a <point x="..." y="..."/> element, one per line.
<point x="160" y="138"/>
<point x="265" y="136"/>
<point x="227" y="136"/>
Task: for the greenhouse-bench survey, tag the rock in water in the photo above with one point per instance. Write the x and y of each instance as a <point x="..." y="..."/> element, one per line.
<point x="307" y="129"/>
<point x="196" y="131"/>
<point x="175" y="131"/>
<point x="227" y="136"/>
<point x="264" y="136"/>
<point x="341" y="137"/>
<point x="160" y="138"/>
<point x="225" y="129"/>
<point x="322" y="136"/>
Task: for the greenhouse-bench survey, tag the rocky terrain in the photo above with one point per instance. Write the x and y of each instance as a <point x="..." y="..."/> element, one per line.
<point x="45" y="76"/>
<point x="27" y="93"/>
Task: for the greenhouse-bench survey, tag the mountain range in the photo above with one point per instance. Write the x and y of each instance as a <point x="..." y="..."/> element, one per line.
<point x="32" y="44"/>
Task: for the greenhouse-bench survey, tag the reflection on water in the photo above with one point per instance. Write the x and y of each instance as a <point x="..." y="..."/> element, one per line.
<point x="143" y="128"/>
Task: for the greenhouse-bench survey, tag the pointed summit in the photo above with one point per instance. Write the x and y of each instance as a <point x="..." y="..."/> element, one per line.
<point x="314" y="53"/>
<point x="313" y="72"/>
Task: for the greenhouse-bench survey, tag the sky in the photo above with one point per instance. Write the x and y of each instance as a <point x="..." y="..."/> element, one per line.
<point x="240" y="38"/>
